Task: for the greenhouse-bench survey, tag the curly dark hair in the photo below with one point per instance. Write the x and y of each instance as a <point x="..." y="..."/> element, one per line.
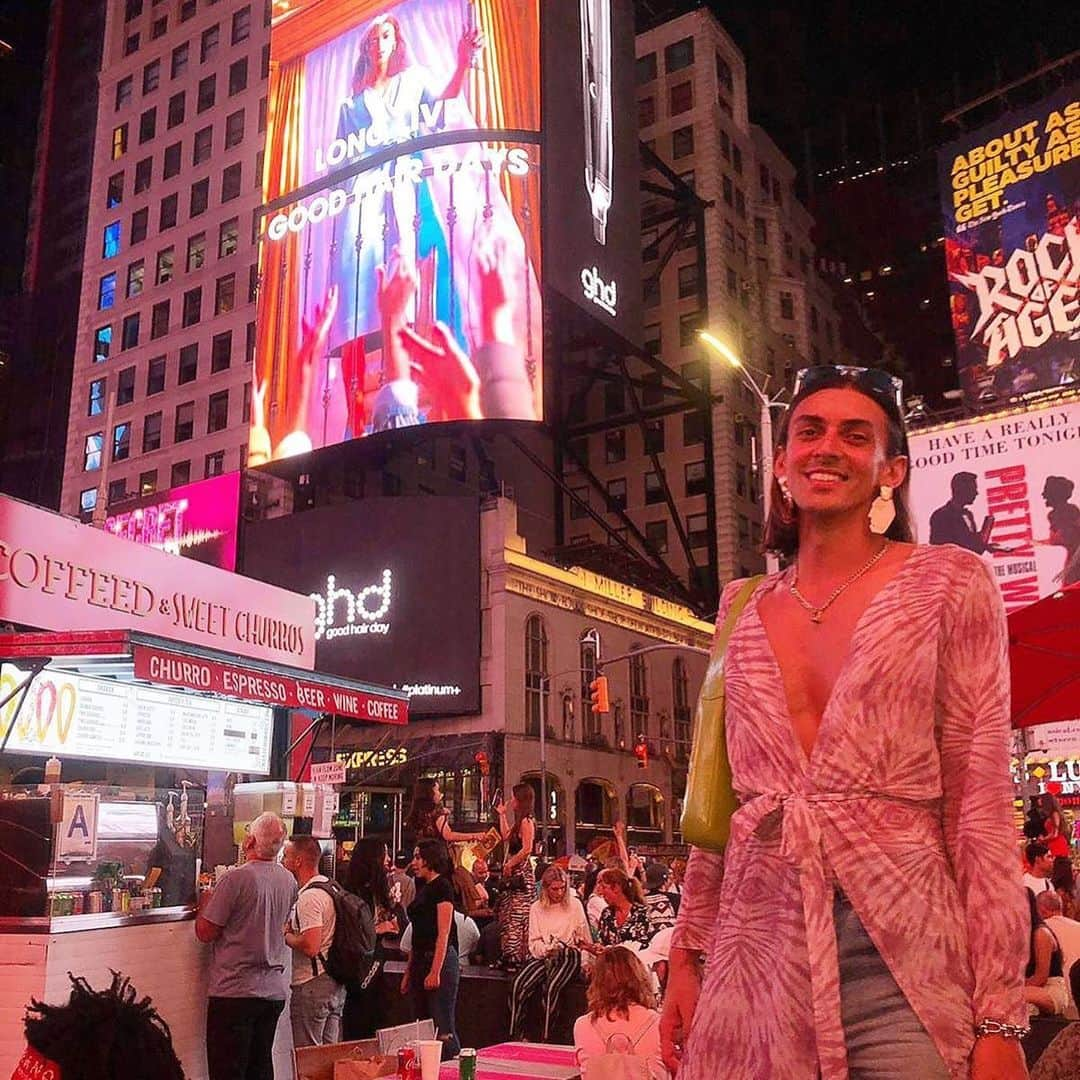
<point x="102" y="1034"/>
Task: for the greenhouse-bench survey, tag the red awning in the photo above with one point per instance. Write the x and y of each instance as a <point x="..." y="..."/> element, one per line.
<point x="126" y="655"/>
<point x="1044" y="657"/>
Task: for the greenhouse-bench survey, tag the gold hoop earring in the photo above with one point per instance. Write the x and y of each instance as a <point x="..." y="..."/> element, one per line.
<point x="882" y="511"/>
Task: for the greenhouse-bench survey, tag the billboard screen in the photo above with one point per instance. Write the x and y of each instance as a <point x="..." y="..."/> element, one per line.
<point x="1011" y="198"/>
<point x="593" y="212"/>
<point x="198" y="521"/>
<point x="389" y="577"/>
<point x="1006" y="488"/>
<point x="400" y="259"/>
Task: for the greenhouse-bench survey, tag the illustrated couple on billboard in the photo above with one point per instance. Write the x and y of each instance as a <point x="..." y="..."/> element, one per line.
<point x="419" y="300"/>
<point x="954" y="522"/>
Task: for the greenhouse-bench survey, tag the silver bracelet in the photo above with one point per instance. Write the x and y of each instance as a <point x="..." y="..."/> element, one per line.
<point x="989" y="1026"/>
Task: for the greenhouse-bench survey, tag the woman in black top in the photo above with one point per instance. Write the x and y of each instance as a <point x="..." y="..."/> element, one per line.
<point x="433" y="971"/>
<point x="1044" y="983"/>
<point x="368" y="877"/>
<point x="429" y="820"/>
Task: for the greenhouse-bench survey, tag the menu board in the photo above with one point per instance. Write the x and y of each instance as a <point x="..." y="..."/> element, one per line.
<point x="74" y="716"/>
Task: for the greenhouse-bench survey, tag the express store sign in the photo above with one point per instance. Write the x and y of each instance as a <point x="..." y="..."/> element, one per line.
<point x="56" y="574"/>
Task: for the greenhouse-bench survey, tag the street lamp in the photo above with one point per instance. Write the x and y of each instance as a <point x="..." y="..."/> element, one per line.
<point x="772" y="564"/>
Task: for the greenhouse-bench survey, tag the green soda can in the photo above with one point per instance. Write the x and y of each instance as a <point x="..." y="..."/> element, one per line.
<point x="467" y="1064"/>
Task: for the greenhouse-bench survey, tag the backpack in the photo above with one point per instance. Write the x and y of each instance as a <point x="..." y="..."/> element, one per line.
<point x="620" y="1061"/>
<point x="352" y="952"/>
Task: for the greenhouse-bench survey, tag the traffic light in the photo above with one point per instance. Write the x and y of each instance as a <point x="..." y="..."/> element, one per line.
<point x="598" y="695"/>
<point x="641" y="752"/>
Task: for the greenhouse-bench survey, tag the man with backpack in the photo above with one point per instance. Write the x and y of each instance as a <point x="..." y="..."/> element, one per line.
<point x="332" y="937"/>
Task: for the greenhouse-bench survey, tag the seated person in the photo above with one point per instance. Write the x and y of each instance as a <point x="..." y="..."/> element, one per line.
<point x="622" y="1017"/>
<point x="1045" y="987"/>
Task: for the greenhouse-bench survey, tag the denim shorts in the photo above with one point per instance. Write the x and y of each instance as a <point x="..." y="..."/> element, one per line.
<point x="885" y="1039"/>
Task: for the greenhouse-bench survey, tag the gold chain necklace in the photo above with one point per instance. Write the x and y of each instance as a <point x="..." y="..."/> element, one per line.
<point x="816" y="611"/>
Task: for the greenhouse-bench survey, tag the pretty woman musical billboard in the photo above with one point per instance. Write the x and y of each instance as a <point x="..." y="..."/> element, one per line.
<point x="1011" y="200"/>
<point x="400" y="255"/>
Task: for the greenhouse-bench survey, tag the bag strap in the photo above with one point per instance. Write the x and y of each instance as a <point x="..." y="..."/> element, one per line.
<point x="742" y="598"/>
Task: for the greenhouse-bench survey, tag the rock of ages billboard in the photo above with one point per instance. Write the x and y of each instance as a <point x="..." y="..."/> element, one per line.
<point x="400" y="243"/>
<point x="1011" y="200"/>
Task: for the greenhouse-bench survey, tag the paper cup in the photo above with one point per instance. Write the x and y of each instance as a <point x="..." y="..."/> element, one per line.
<point x="429" y="1051"/>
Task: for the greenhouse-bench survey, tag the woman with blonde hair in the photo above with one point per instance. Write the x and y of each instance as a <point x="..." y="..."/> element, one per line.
<point x="557" y="928"/>
<point x="622" y="1016"/>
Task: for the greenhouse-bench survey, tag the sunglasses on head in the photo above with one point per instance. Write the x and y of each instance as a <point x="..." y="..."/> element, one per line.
<point x="878" y="384"/>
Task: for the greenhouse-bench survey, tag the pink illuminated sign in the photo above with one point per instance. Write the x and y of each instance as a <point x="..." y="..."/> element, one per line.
<point x="197" y="521"/>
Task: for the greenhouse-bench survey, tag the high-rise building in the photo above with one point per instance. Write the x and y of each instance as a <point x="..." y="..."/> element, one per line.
<point x="161" y="389"/>
<point x="38" y="332"/>
<point x="757" y="289"/>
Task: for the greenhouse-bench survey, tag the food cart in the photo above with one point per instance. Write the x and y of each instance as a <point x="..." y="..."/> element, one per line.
<point x="136" y="690"/>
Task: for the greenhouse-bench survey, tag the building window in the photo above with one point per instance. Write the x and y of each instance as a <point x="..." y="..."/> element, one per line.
<point x="787" y="305"/>
<point x="164" y="270"/>
<point x="689" y="325"/>
<point x="147" y="482"/>
<point x="241" y="25"/>
<point x="110" y="241"/>
<point x="724" y="74"/>
<point x="695" y="478"/>
<point x="579" y="504"/>
<point x="144" y="174"/>
<point x="187" y="9"/>
<point x="679" y="55"/>
<point x="680" y="707"/>
<point x="230" y="182"/>
<point x="119" y="141"/>
<point x="234" y="129"/>
<point x="646" y="68"/>
<point x="688" y="280"/>
<point x="200" y="197"/>
<point x="221" y="352"/>
<point x="180" y="474"/>
<point x="736" y="160"/>
<point x="681" y="98"/>
<point x="249" y="343"/>
<point x="136" y="272"/>
<point x="682" y="141"/>
<point x="654" y="489"/>
<point x="175" y="114"/>
<point x="656" y="533"/>
<point x="117" y="491"/>
<point x="87" y="504"/>
<point x="106" y="291"/>
<point x="189" y="364"/>
<point x="238" y="76"/>
<point x="228" y="237"/>
<point x="192" y="307"/>
<point x="184" y="426"/>
<point x="132" y="9"/>
<point x="125" y="386"/>
<point x="204" y="145"/>
<point x="155" y="376"/>
<point x="646" y="111"/>
<point x="217" y="417"/>
<point x="179" y="60"/>
<point x="761" y="230"/>
<point x="169" y="208"/>
<point x="214" y="464"/>
<point x="536" y="675"/>
<point x="159" y="319"/>
<point x="615" y="446"/>
<point x="245" y="408"/>
<point x="616" y="493"/>
<point x="207" y="93"/>
<point x="114" y="193"/>
<point x="131" y="44"/>
<point x="102" y="344"/>
<point x="697" y="530"/>
<point x="693" y="427"/>
<point x="95" y="405"/>
<point x="140" y="223"/>
<point x="121" y="448"/>
<point x="196" y="251"/>
<point x="123" y="91"/>
<point x="654" y="437"/>
<point x="639" y="697"/>
<point x="147" y="125"/>
<point x="170" y="162"/>
<point x="151" y="436"/>
<point x="740" y="203"/>
<point x="211" y="38"/>
<point x="151" y="77"/>
<point x="129" y="331"/>
<point x="225" y="294"/>
<point x="92" y="448"/>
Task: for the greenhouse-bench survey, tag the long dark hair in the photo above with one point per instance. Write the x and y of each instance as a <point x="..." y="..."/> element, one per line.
<point x="782" y="526"/>
<point x="424" y="809"/>
<point x="367" y="875"/>
<point x="630" y="887"/>
<point x="400" y="59"/>
<point x="526" y="800"/>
